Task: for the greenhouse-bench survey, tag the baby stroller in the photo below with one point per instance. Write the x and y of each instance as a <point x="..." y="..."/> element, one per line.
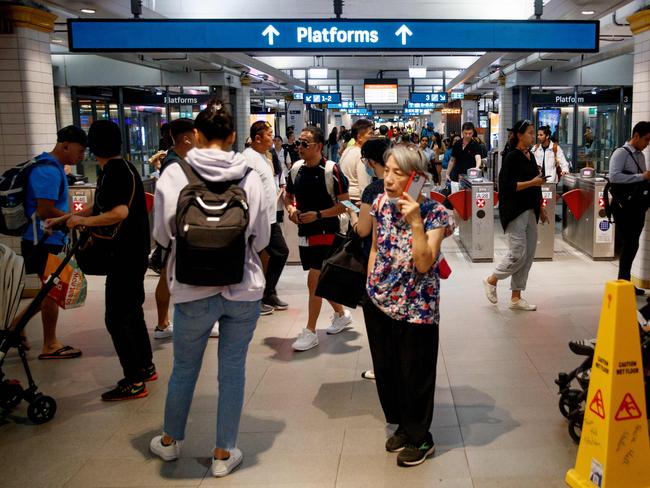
<point x="572" y="399"/>
<point x="41" y="408"/>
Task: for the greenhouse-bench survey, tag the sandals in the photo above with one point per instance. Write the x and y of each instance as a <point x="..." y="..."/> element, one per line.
<point x="66" y="352"/>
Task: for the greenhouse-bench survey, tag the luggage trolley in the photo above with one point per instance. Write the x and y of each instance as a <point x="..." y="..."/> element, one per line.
<point x="41" y="408"/>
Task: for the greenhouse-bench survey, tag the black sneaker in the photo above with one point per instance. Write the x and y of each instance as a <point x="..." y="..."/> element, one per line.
<point x="412" y="455"/>
<point x="640" y="292"/>
<point x="266" y="309"/>
<point x="125" y="391"/>
<point x="397" y="442"/>
<point x="275" y="302"/>
<point x="583" y="347"/>
<point x="150" y="373"/>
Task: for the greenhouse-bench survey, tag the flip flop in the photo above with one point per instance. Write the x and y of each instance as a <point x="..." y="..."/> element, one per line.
<point x="66" y="352"/>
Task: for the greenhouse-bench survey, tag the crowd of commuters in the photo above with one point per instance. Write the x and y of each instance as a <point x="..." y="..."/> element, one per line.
<point x="313" y="179"/>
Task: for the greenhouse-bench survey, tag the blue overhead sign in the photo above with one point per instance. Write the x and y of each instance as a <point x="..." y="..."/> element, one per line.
<point x="298" y="95"/>
<point x="321" y="98"/>
<point x="428" y="97"/>
<point x="181" y="35"/>
<point x="343" y="105"/>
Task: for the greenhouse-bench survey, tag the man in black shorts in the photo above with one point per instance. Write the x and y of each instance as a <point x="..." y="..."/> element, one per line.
<point x="315" y="188"/>
<point x="47" y="197"/>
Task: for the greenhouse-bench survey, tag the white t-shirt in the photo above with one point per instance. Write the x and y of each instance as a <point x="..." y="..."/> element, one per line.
<point x="354" y="169"/>
<point x="264" y="167"/>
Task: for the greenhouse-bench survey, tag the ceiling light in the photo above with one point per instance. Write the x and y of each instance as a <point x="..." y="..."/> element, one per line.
<point x="299" y="73"/>
<point x="588" y="12"/>
<point x="88" y="11"/>
<point x="317" y="73"/>
<point x="57" y="41"/>
<point x="417" y="72"/>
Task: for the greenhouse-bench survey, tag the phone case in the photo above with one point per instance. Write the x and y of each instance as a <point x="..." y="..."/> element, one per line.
<point x="415" y="184"/>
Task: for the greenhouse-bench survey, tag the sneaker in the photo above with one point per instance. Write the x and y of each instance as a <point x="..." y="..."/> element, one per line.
<point x="165" y="333"/>
<point x="166" y="453"/>
<point x="339" y="322"/>
<point x="215" y="330"/>
<point x="583" y="347"/>
<point x="223" y="467"/>
<point x="266" y="309"/>
<point x="412" y="455"/>
<point x="490" y="291"/>
<point x="640" y="292"/>
<point x="457" y="232"/>
<point x="150" y="373"/>
<point x="397" y="442"/>
<point x="275" y="302"/>
<point x="522" y="304"/>
<point x="305" y="341"/>
<point x="125" y="391"/>
<point x="368" y="375"/>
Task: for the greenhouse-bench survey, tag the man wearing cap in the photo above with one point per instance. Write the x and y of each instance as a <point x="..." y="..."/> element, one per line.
<point x="47" y="197"/>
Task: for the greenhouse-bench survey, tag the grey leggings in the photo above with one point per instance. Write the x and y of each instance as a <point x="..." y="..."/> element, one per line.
<point x="522" y="241"/>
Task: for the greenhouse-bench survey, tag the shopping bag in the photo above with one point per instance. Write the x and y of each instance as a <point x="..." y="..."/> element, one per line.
<point x="71" y="290"/>
<point x="343" y="275"/>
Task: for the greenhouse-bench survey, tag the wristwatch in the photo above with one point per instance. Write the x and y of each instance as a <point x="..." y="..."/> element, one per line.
<point x="318" y="215"/>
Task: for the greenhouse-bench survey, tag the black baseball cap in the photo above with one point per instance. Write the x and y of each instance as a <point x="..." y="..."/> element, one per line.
<point x="72" y="133"/>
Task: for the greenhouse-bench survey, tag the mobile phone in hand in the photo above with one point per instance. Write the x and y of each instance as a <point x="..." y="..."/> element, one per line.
<point x="415" y="184"/>
<point x="348" y="204"/>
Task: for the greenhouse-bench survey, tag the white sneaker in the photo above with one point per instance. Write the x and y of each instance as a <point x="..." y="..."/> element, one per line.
<point x="339" y="322"/>
<point x="522" y="304"/>
<point x="165" y="333"/>
<point x="223" y="467"/>
<point x="215" y="330"/>
<point x="457" y="232"/>
<point x="166" y="453"/>
<point x="305" y="341"/>
<point x="490" y="291"/>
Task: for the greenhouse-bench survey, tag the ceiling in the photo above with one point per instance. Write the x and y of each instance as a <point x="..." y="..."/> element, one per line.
<point x="278" y="73"/>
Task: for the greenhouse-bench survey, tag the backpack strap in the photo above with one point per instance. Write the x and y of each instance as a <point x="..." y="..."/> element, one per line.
<point x="192" y="176"/>
<point x="295" y="168"/>
<point x="638" y="166"/>
<point x="329" y="179"/>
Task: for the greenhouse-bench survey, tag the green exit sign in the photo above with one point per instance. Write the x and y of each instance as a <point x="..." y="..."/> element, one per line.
<point x="593" y="111"/>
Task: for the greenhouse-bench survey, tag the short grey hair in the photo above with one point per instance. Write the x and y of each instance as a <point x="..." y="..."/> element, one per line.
<point x="409" y="159"/>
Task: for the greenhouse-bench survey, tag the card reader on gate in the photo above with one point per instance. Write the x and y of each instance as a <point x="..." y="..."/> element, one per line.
<point x="587" y="173"/>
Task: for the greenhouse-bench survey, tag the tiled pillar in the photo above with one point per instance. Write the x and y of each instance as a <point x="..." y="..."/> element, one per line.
<point x="470" y="111"/>
<point x="242" y="116"/>
<point x="27" y="114"/>
<point x="505" y="115"/>
<point x="640" y="26"/>
<point x="63" y="104"/>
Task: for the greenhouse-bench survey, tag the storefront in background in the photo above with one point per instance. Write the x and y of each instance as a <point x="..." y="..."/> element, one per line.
<point x="140" y="113"/>
<point x="587" y="124"/>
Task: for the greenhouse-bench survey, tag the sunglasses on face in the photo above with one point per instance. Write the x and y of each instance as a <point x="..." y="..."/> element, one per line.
<point x="304" y="144"/>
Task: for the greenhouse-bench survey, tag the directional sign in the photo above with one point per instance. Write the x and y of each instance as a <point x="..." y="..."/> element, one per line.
<point x="321" y="98"/>
<point x="421" y="105"/>
<point x="359" y="111"/>
<point x="343" y="105"/>
<point x="416" y="97"/>
<point x="182" y="35"/>
<point x="457" y="95"/>
<point x="298" y="95"/>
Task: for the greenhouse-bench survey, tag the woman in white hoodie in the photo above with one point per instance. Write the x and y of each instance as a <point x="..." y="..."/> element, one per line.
<point x="197" y="308"/>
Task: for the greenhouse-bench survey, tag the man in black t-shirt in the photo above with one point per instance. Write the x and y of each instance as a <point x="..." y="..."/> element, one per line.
<point x="465" y="154"/>
<point x="120" y="209"/>
<point x="315" y="188"/>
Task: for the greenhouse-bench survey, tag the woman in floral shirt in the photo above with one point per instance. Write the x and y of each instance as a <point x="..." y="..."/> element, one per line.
<point x="402" y="316"/>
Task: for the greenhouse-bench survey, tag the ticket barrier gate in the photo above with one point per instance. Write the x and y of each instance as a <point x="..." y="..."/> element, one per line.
<point x="546" y="232"/>
<point x="81" y="196"/>
<point x="475" y="206"/>
<point x="584" y="224"/>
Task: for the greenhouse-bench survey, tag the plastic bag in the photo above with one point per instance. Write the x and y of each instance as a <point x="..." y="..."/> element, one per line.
<point x="71" y="290"/>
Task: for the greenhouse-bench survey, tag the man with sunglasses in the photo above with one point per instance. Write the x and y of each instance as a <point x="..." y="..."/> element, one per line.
<point x="275" y="255"/>
<point x="315" y="189"/>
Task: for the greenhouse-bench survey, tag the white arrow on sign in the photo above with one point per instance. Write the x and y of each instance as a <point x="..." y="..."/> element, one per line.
<point x="271" y="32"/>
<point x="308" y="98"/>
<point x="404" y="31"/>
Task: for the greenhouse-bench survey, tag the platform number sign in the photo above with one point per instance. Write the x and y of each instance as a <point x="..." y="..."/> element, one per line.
<point x="321" y="98"/>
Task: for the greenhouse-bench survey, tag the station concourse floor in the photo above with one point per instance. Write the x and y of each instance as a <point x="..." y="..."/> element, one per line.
<point x="310" y="420"/>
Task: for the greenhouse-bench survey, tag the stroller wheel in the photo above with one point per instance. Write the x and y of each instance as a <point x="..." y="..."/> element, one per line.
<point x="42" y="409"/>
<point x="11" y="393"/>
<point x="575" y="425"/>
<point x="569" y="401"/>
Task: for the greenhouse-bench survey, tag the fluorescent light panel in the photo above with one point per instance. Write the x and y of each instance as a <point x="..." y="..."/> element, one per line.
<point x="317" y="73"/>
<point x="417" y="72"/>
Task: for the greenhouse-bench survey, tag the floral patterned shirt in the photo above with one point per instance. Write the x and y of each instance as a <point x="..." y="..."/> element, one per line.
<point x="394" y="285"/>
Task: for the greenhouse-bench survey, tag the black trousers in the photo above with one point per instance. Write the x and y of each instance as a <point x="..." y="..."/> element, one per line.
<point x="404" y="357"/>
<point x="278" y="253"/>
<point x="629" y="225"/>
<point x="125" y="320"/>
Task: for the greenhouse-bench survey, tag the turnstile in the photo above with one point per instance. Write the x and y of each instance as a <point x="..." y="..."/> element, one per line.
<point x="475" y="206"/>
<point x="546" y="232"/>
<point x="585" y="225"/>
<point x="81" y="196"/>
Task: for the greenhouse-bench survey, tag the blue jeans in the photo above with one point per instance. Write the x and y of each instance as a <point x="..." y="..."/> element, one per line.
<point x="193" y="322"/>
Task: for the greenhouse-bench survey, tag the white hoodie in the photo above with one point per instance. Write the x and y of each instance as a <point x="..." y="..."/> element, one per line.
<point x="214" y="165"/>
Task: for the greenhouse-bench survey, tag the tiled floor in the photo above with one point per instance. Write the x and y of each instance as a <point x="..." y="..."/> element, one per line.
<point x="309" y="420"/>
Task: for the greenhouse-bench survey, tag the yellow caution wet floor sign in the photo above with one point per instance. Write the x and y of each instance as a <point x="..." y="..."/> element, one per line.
<point x="614" y="450"/>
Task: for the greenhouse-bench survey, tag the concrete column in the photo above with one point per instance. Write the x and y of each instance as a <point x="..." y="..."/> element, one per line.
<point x="63" y="99"/>
<point x="470" y="111"/>
<point x="505" y="115"/>
<point x="242" y="116"/>
<point x="27" y="114"/>
<point x="640" y="26"/>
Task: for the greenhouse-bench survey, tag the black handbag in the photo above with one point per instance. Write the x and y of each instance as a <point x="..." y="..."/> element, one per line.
<point x="343" y="275"/>
<point x="95" y="257"/>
